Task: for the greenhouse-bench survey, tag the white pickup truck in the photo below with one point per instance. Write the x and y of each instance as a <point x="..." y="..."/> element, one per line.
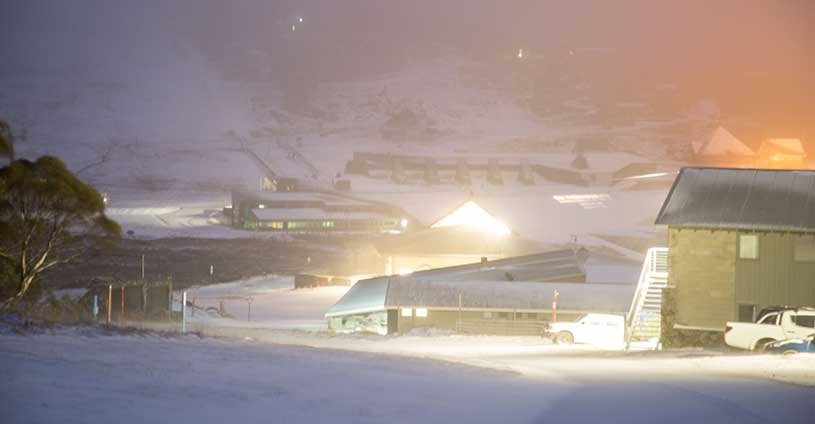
<point x="598" y="329"/>
<point x="779" y="324"/>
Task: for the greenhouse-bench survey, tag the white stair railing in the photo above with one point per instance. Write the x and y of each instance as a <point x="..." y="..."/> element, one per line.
<point x="644" y="315"/>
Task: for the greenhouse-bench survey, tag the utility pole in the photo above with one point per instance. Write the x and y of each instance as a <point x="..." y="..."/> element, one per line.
<point x="142" y="267"/>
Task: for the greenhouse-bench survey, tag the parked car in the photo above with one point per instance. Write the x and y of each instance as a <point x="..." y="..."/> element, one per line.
<point x="773" y="325"/>
<point x="792" y="346"/>
<point x="596" y="329"/>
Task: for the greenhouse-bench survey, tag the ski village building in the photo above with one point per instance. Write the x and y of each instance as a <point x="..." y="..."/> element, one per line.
<point x="739" y="240"/>
<point x="505" y="296"/>
<point x="313" y="211"/>
<point x="465" y="235"/>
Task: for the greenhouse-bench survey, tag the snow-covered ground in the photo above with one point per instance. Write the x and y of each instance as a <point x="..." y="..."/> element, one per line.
<point x="85" y="375"/>
<point x="269" y="302"/>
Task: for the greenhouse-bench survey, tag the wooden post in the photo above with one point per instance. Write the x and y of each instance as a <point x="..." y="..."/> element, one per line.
<point x="184" y="311"/>
<point x="459" y="313"/>
<point x="110" y="302"/>
<point x="122" y="312"/>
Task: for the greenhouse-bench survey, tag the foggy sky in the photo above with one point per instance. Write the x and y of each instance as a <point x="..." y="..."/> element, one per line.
<point x="720" y="43"/>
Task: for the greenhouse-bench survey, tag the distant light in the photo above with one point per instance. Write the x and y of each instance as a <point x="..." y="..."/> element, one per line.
<point x="403" y="223"/>
<point x="520" y="53"/>
<point x="300" y="19"/>
<point x="471" y="215"/>
<point x="571" y="52"/>
<point x="261" y="206"/>
<point x="293" y="27"/>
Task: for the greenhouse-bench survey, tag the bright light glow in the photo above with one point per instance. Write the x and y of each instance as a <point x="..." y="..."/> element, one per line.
<point x="407" y="312"/>
<point x="520" y="53"/>
<point x="293" y="27"/>
<point x="261" y="206"/>
<point x="421" y="312"/>
<point x="405" y="271"/>
<point x="403" y="223"/>
<point x="472" y="215"/>
<point x="300" y="20"/>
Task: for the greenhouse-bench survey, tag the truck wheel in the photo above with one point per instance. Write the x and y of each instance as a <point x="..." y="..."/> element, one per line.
<point x="761" y="345"/>
<point x="564" y="338"/>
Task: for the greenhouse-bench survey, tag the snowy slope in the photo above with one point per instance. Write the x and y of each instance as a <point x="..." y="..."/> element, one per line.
<point x="88" y="376"/>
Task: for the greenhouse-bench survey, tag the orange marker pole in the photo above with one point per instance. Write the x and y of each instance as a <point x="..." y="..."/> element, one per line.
<point x="122" y="312"/>
<point x="110" y="302"/>
<point x="554" y="306"/>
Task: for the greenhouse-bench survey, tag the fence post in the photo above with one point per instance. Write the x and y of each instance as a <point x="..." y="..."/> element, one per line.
<point x="459" y="313"/>
<point x="184" y="311"/>
<point x="95" y="306"/>
<point x="110" y="302"/>
<point x="122" y="312"/>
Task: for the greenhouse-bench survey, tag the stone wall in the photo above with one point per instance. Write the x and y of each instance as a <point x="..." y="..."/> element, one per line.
<point x="702" y="271"/>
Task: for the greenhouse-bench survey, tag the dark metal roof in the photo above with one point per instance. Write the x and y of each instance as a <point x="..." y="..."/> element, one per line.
<point x="750" y="199"/>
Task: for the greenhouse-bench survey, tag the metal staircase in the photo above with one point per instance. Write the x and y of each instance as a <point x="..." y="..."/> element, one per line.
<point x="644" y="317"/>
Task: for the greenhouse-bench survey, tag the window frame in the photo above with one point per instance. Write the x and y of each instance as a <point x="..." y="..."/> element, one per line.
<point x="757" y="247"/>
<point x="795" y="247"/>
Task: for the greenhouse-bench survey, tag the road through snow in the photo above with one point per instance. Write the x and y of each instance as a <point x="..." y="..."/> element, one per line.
<point x="86" y="375"/>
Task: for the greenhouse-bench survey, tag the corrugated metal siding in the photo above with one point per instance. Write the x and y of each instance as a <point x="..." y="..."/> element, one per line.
<point x="756" y="199"/>
<point x="775" y="278"/>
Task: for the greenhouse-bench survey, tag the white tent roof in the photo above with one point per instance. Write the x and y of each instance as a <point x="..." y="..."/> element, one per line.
<point x="721" y="142"/>
<point x="472" y="215"/>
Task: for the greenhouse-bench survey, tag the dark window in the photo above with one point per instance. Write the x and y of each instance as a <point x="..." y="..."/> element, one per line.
<point x="503" y="315"/>
<point x="532" y="315"/>
<point x="769" y="319"/>
<point x="747" y="313"/>
<point x="804" y="320"/>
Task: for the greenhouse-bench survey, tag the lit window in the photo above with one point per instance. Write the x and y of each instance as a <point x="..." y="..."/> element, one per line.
<point x="748" y="246"/>
<point x="421" y="312"/>
<point x="407" y="312"/>
<point x="805" y="249"/>
<point x="261" y="206"/>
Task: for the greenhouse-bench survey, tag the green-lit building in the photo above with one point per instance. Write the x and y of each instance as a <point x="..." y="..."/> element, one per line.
<point x="740" y="240"/>
<point x="312" y="211"/>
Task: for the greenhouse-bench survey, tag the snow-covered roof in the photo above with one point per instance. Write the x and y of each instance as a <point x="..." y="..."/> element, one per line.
<point x="485" y="286"/>
<point x="721" y="142"/>
<point x="787" y="146"/>
<point x="306" y="214"/>
<point x="509" y="295"/>
<point x="758" y="199"/>
<point x="391" y="292"/>
<point x="300" y="196"/>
